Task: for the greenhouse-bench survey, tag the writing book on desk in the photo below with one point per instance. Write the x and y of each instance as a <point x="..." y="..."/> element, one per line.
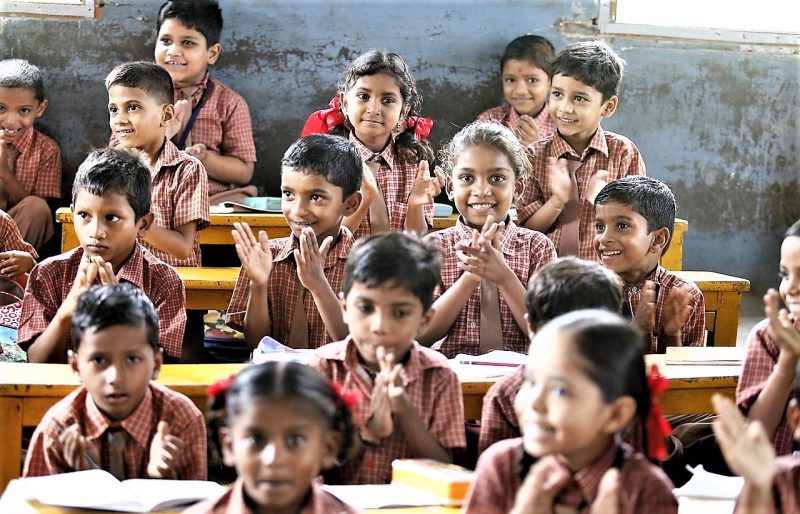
<point x="498" y="363"/>
<point x="269" y="349"/>
<point x="98" y="489"/>
<point x="704" y="356"/>
<point x="265" y="204"/>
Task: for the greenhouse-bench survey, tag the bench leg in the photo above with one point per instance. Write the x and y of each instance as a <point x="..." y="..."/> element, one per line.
<point x="10" y="440"/>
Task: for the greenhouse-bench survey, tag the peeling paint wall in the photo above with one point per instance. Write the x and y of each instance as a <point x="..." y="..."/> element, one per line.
<point x="717" y="123"/>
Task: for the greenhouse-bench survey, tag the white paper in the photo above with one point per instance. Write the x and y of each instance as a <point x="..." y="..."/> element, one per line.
<point x="379" y="496"/>
<point x="711" y="486"/>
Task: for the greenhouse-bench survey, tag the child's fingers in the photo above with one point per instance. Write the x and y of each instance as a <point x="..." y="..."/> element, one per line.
<point x="423" y="172"/>
<point x="607" y="501"/>
<point x="487" y="225"/>
<point x="325" y="247"/>
<point x="263" y="240"/>
<point x="771" y="304"/>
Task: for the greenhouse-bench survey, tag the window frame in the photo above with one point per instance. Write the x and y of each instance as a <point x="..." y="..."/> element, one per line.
<point x="60" y="8"/>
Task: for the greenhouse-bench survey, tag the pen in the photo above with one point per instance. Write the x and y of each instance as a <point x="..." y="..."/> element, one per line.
<point x="92" y="463"/>
<point x="486" y="363"/>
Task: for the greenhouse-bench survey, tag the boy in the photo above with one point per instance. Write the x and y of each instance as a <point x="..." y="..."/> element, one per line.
<point x="213" y="121"/>
<point x="561" y="286"/>
<point x="525" y="72"/>
<point x="140" y="108"/>
<point x="572" y="165"/>
<point x="110" y="209"/>
<point x="634" y="217"/>
<point x="413" y="405"/>
<point x="320" y="181"/>
<point x="30" y="162"/>
<point x="119" y="420"/>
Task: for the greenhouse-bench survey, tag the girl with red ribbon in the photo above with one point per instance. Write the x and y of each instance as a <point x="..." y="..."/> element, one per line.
<point x="377" y="109"/>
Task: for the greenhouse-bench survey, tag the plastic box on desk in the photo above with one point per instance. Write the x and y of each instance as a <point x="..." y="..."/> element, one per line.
<point x="448" y="482"/>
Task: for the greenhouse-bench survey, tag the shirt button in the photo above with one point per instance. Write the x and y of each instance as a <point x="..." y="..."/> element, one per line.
<point x="579" y="179"/>
<point x="473" y="324"/>
<point x="634" y="289"/>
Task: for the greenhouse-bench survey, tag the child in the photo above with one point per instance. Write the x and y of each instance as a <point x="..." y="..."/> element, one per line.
<point x="110" y="209"/>
<point x="525" y="72"/>
<point x="377" y="109"/>
<point x="562" y="286"/>
<point x="140" y="107"/>
<point x="16" y="256"/>
<point x="768" y="374"/>
<point x="480" y="302"/>
<point x="279" y="424"/>
<point x="212" y="121"/>
<point x="634" y="217"/>
<point x="30" y="162"/>
<point x="571" y="166"/>
<point x="119" y="419"/>
<point x="585" y="381"/>
<point x="320" y="178"/>
<point x="414" y="406"/>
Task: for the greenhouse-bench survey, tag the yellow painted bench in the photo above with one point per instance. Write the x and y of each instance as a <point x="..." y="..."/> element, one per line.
<point x="208" y="288"/>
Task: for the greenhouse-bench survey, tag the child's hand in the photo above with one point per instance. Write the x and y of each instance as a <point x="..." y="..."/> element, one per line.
<point x="607" y="500"/>
<point x="87" y="274"/>
<point x="425" y="188"/>
<point x="165" y="450"/>
<point x="677" y="310"/>
<point x="781" y="328"/>
<point x="14" y="263"/>
<point x="105" y="272"/>
<point x="542" y="484"/>
<point x="77" y="450"/>
<point x="527" y="131"/>
<point x="486" y="260"/>
<point x="310" y="258"/>
<point x="199" y="150"/>
<point x="645" y="317"/>
<point x="393" y="379"/>
<point x="596" y="184"/>
<point x="380" y="423"/>
<point x="255" y="255"/>
<point x="8" y="159"/>
<point x="369" y="184"/>
<point x="559" y="179"/>
<point x="183" y="111"/>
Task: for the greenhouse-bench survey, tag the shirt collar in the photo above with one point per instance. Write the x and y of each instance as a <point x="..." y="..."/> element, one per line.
<point x="340" y="250"/>
<point x="131" y="270"/>
<point x="588" y="478"/>
<point x="655" y="276"/>
<point x="137" y="424"/>
<point x="508" y="239"/>
<point x="25" y="141"/>
<point x="387" y="154"/>
<point x="201" y="86"/>
<point x="170" y="156"/>
<point x="560" y="147"/>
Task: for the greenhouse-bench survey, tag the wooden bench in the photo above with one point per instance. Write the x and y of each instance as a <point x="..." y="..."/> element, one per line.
<point x="208" y="288"/>
<point x="723" y="297"/>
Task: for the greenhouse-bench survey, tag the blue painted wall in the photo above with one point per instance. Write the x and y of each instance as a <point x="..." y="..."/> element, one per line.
<point x="716" y="122"/>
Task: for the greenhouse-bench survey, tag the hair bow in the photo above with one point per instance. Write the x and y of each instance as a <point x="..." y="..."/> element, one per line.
<point x="220" y="386"/>
<point x="349" y="398"/>
<point x="656" y="425"/>
<point x="422" y="127"/>
<point x="324" y="120"/>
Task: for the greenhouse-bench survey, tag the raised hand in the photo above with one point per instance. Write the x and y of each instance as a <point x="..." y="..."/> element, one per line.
<point x="310" y="258"/>
<point x="677" y="310"/>
<point x="255" y="255"/>
<point x="483" y="257"/>
<point x="607" y="500"/>
<point x="596" y="184"/>
<point x="645" y="317"/>
<point x="79" y="453"/>
<point x="528" y="130"/>
<point x="105" y="272"/>
<point x="165" y="451"/>
<point x="425" y="187"/>
<point x="183" y="111"/>
<point x="781" y="329"/>
<point x="559" y="179"/>
<point x="369" y="184"/>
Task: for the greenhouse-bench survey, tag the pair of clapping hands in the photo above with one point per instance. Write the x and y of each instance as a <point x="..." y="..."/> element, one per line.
<point x="676" y="311"/>
<point x="482" y="259"/>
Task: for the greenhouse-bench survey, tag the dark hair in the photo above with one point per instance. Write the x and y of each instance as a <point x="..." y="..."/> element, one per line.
<point x="592" y="62"/>
<point x="610" y="352"/>
<point x="394" y="257"/>
<point x="117" y="170"/>
<point x="204" y="16"/>
<point x="490" y="134"/>
<point x="147" y="76"/>
<point x="381" y="61"/>
<point x="21" y="73"/>
<point x="333" y="157"/>
<point x="647" y="196"/>
<point x="793" y="231"/>
<point x="537" y="50"/>
<point x="570" y="284"/>
<point x="104" y="306"/>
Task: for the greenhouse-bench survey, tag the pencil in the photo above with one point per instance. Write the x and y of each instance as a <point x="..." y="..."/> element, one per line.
<point x="486" y="363"/>
<point x="89" y="459"/>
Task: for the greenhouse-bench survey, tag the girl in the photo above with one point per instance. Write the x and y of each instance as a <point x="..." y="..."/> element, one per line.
<point x="376" y="107"/>
<point x="585" y="381"/>
<point x="486" y="258"/>
<point x="279" y="424"/>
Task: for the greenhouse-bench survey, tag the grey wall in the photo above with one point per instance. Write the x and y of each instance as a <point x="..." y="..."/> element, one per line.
<point x="717" y="123"/>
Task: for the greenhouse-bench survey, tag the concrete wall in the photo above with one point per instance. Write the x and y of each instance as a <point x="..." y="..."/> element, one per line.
<point x="717" y="123"/>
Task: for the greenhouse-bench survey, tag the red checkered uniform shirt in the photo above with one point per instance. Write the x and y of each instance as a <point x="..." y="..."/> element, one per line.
<point x="693" y="331"/>
<point x="786" y="485"/>
<point x="284" y="287"/>
<point x="45" y="454"/>
<point x="761" y="356"/>
<point x="432" y="387"/>
<point x="11" y="239"/>
<point x="643" y="486"/>
<point x="524" y="250"/>
<point x="498" y="417"/>
<point x="395" y="179"/>
<point x="508" y="117"/>
<point x="51" y="281"/>
<point x="223" y="125"/>
<point x="606" y="151"/>
<point x="180" y="196"/>
<point x="38" y="166"/>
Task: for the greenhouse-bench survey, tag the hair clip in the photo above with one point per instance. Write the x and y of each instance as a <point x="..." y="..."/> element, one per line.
<point x="220" y="386"/>
<point x="349" y="398"/>
<point x="324" y="120"/>
<point x="656" y="425"/>
<point x="422" y="127"/>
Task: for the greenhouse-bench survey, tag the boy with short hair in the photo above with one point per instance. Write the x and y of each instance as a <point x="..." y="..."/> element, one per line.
<point x="213" y="121"/>
<point x="634" y="217"/>
<point x="140" y="108"/>
<point x="525" y="74"/>
<point x="572" y="165"/>
<point x="119" y="420"/>
<point x="30" y="162"/>
<point x="564" y="285"/>
<point x="110" y="209"/>
<point x="287" y="287"/>
<point x="413" y="405"/>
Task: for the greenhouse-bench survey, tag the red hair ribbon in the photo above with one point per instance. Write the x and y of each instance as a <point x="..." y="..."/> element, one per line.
<point x="422" y="127"/>
<point x="656" y="425"/>
<point x="349" y="398"/>
<point x="220" y="386"/>
<point x="324" y="120"/>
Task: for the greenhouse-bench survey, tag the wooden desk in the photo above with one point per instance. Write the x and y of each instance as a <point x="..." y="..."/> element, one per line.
<point x="208" y="288"/>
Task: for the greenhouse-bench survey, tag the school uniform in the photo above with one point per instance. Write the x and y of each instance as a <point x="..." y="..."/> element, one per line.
<point x="433" y="389"/>
<point x="51" y="280"/>
<point x="233" y="501"/>
<point x="498" y="477"/>
<point x="284" y="286"/>
<point x="786" y="485"/>
<point x="606" y="151"/>
<point x="692" y="332"/>
<point x="38" y="170"/>
<point x="10" y="237"/>
<point x="498" y="416"/>
<point x="508" y="117"/>
<point x="179" y="196"/>
<point x="524" y="250"/>
<point x="395" y="176"/>
<point x="761" y="356"/>
<point x="45" y="454"/>
<point x="223" y="124"/>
